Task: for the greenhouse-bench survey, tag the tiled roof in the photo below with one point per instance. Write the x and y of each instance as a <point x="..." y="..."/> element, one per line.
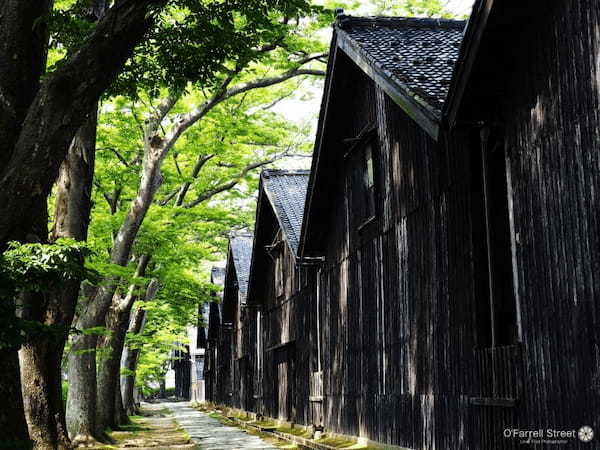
<point x="241" y="249"/>
<point x="286" y="190"/>
<point x="417" y="54"/>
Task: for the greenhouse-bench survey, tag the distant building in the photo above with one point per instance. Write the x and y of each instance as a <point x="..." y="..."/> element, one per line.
<point x="199" y="336"/>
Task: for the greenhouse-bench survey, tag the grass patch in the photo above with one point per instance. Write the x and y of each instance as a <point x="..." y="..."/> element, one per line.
<point x="264" y="423"/>
<point x="296" y="431"/>
<point x="336" y="442"/>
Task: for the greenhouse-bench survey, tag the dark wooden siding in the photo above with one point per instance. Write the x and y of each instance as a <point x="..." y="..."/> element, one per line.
<point x="552" y="127"/>
<point x="286" y="340"/>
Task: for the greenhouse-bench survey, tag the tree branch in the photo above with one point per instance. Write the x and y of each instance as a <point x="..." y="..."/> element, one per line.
<point x="222" y="94"/>
<point x="231" y="184"/>
<point x="200" y="163"/>
<point x="117" y="154"/>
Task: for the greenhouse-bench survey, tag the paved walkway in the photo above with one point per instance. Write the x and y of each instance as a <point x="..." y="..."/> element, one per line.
<point x="209" y="433"/>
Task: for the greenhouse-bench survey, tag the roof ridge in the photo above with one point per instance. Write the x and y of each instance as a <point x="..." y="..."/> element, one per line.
<point x="414" y="22"/>
<point x="277" y="172"/>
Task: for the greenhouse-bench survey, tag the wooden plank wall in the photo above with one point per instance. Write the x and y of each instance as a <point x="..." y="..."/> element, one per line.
<point x="552" y="121"/>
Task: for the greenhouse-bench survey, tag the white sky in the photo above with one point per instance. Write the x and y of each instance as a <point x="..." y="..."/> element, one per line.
<point x="303" y="110"/>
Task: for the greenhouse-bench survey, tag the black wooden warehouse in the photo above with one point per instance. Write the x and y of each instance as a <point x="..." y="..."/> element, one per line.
<point x="447" y="270"/>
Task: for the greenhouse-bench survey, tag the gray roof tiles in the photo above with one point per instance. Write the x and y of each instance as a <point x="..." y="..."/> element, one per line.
<point x="417" y="54"/>
<point x="286" y="190"/>
<point x="241" y="249"/>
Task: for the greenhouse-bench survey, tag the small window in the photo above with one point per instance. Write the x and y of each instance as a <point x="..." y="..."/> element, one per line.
<point x="279" y="283"/>
<point x="496" y="306"/>
<point x="369" y="182"/>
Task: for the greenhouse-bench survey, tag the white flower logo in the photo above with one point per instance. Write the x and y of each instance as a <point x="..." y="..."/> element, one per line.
<point x="586" y="434"/>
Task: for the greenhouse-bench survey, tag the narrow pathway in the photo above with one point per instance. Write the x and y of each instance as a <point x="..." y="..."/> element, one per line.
<point x="209" y="433"/>
<point x="154" y="429"/>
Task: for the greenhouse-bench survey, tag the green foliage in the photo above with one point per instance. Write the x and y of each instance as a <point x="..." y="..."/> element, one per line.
<point x="41" y="267"/>
<point x="193" y="41"/>
<point x="412" y="8"/>
<point x="36" y="268"/>
<point x="194" y="47"/>
<point x="404" y="8"/>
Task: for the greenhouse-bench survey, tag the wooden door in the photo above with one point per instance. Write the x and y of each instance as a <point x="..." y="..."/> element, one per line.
<point x="284" y="382"/>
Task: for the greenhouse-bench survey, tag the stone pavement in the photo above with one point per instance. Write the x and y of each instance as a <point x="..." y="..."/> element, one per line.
<point x="209" y="433"/>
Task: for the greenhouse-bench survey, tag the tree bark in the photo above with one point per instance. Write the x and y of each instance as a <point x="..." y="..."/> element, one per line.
<point x="117" y="321"/>
<point x="125" y="401"/>
<point x="23" y="47"/>
<point x="41" y="357"/>
<point x="81" y="401"/>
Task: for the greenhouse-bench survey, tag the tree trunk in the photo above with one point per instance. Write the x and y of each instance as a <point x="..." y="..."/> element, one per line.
<point x="120" y="413"/>
<point x="95" y="311"/>
<point x="41" y="357"/>
<point x="108" y="376"/>
<point x="42" y="393"/>
<point x="117" y="322"/>
<point x="23" y="44"/>
<point x="129" y="363"/>
<point x="12" y="419"/>
<point x="81" y="401"/>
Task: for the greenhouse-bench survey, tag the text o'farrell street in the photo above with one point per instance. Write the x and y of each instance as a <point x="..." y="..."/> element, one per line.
<point x="584" y="434"/>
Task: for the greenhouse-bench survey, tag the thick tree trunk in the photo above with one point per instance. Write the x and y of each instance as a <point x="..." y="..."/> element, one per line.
<point x="117" y="322"/>
<point x="42" y="394"/>
<point x="23" y="44"/>
<point x="81" y="401"/>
